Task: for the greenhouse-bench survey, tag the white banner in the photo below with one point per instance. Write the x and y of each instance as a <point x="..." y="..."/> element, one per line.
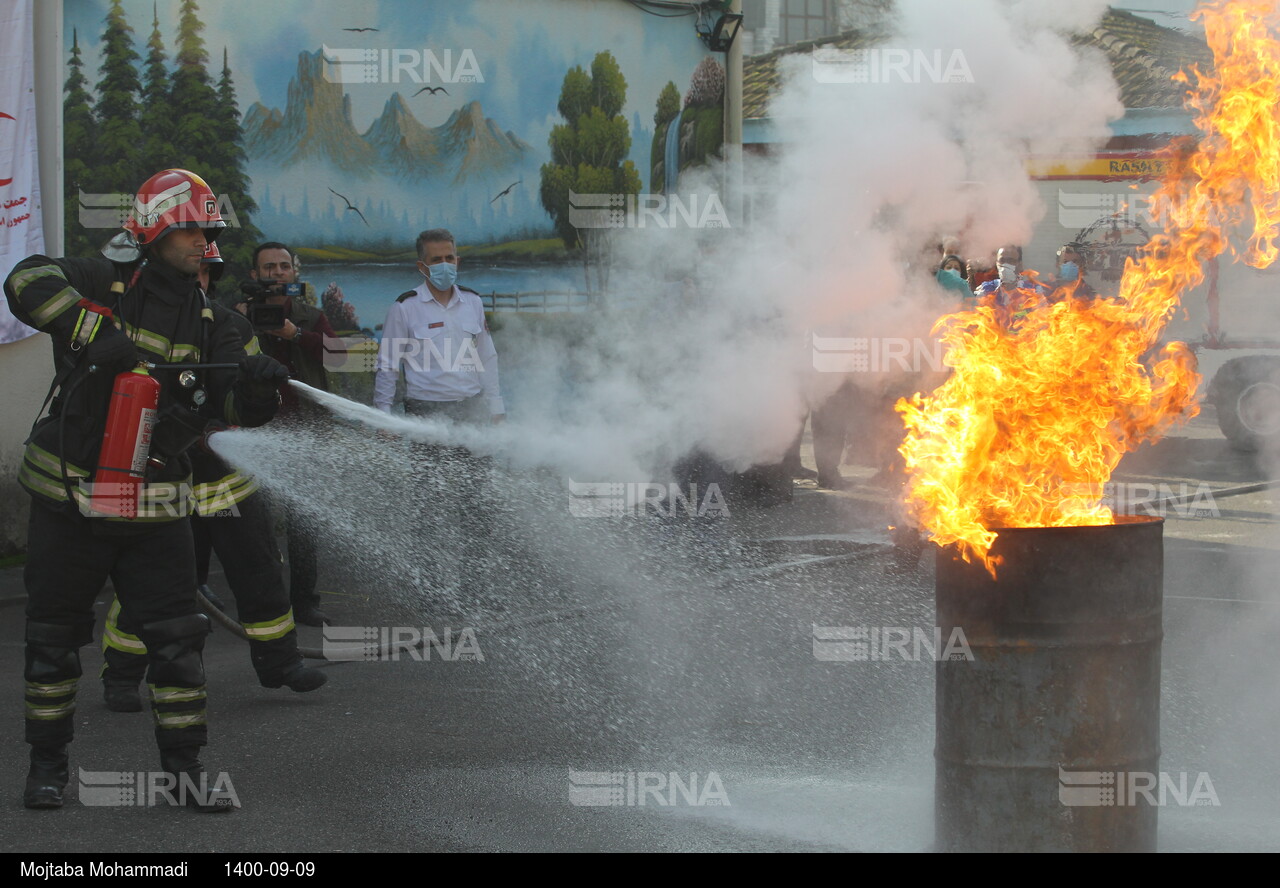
<point x="21" y="231"/>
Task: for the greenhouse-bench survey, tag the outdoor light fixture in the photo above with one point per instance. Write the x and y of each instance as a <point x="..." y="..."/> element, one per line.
<point x="719" y="37"/>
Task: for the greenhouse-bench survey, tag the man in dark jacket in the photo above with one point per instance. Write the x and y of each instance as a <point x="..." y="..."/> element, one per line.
<point x="299" y="345"/>
<point x="104" y="316"/>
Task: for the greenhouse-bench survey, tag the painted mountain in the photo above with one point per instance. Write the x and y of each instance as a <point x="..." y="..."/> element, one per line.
<point x="400" y="175"/>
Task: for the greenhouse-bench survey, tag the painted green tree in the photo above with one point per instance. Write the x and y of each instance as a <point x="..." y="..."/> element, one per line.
<point x="140" y="126"/>
<point x="81" y="134"/>
<point x="119" y="142"/>
<point x="157" y="152"/>
<point x="668" y="104"/>
<point x="192" y="97"/>
<point x="226" y="162"/>
<point x="588" y="154"/>
<point x="668" y="108"/>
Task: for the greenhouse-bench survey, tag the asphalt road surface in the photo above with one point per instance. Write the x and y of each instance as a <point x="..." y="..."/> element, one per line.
<point x="650" y="685"/>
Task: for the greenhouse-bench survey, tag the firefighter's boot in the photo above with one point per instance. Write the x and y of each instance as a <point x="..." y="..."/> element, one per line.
<point x="52" y="673"/>
<point x="176" y="681"/>
<point x="191" y="783"/>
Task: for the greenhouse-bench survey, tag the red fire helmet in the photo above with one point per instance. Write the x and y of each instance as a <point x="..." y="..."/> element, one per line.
<point x="213" y="258"/>
<point x="173" y="199"/>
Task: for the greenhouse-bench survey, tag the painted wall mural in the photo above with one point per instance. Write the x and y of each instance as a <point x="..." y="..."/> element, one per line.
<point x="345" y="126"/>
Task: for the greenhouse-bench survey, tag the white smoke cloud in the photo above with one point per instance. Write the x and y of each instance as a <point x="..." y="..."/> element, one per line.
<point x="719" y="357"/>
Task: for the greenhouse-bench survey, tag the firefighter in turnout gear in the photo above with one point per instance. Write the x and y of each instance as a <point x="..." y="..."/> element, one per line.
<point x="140" y="302"/>
<point x="231" y="517"/>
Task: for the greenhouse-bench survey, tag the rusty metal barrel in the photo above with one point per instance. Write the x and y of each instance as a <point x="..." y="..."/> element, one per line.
<point x="1061" y="700"/>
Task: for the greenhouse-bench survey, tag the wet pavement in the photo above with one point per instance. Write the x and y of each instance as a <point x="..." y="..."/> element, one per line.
<point x="656" y="686"/>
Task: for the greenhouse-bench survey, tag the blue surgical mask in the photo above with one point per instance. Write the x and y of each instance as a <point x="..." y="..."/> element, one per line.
<point x="442" y="275"/>
<point x="1069" y="271"/>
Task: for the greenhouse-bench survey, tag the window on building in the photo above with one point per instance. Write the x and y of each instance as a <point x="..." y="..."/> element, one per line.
<point x="806" y="20"/>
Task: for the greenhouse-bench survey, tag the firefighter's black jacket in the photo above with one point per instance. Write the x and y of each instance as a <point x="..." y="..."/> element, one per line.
<point x="170" y="322"/>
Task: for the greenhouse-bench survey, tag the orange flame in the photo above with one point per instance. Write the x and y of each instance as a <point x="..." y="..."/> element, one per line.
<point x="1046" y="397"/>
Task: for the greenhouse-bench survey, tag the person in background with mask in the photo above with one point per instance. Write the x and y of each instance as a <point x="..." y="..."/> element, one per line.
<point x="1012" y="293"/>
<point x="950" y="276"/>
<point x="1070" y="280"/>
<point x="447" y="321"/>
<point x="437" y="335"/>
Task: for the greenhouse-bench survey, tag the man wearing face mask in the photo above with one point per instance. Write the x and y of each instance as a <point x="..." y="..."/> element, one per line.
<point x="1012" y="293"/>
<point x="1070" y="280"/>
<point x="437" y="334"/>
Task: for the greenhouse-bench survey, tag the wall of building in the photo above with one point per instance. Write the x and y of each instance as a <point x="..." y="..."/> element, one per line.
<point x="26" y="368"/>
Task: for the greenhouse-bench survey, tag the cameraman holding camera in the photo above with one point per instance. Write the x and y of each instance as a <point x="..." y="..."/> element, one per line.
<point x="293" y="333"/>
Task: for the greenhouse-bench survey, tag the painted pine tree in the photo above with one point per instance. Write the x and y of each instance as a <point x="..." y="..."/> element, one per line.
<point x="80" y="132"/>
<point x="227" y="162"/>
<point x="119" y="142"/>
<point x="156" y="116"/>
<point x="192" y="98"/>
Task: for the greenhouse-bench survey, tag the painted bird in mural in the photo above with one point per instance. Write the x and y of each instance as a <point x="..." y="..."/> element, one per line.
<point x="431" y="89"/>
<point x="351" y="207"/>
<point x="358" y="30"/>
<point x="504" y="192"/>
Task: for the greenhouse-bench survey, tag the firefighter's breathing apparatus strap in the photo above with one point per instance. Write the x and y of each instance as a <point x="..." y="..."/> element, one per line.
<point x="90" y="321"/>
<point x="92" y="317"/>
<point x="82" y="334"/>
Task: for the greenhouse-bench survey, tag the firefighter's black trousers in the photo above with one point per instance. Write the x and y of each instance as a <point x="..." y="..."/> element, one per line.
<point x="69" y="559"/>
<point x="246" y="548"/>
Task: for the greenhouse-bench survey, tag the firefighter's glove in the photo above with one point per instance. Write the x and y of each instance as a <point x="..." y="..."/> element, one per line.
<point x="111" y="351"/>
<point x="260" y="377"/>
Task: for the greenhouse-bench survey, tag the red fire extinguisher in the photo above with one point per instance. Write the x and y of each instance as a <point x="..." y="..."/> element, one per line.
<point x="126" y="443"/>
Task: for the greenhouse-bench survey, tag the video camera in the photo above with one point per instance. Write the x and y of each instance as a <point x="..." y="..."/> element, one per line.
<point x="261" y="314"/>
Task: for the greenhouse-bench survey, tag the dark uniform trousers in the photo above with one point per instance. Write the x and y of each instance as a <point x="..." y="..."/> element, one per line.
<point x="830" y="423"/>
<point x="301" y="534"/>
<point x="69" y="560"/>
<point x="246" y="548"/>
<point x="454" y="514"/>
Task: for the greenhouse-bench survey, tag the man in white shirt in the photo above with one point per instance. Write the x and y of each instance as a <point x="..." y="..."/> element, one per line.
<point x="438" y="335"/>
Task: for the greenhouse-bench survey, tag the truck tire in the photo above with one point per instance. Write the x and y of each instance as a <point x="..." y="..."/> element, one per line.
<point x="1246" y="395"/>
